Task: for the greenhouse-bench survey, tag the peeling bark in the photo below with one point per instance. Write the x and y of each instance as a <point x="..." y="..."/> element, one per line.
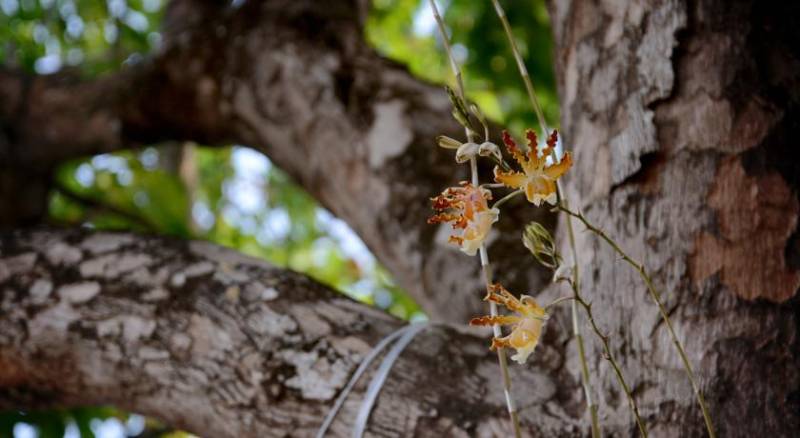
<point x="756" y="217"/>
<point x="679" y="115"/>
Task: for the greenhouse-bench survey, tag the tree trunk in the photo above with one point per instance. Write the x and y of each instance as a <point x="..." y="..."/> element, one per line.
<point x="683" y="118"/>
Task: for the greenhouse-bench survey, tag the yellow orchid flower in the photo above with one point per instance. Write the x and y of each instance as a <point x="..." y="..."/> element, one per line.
<point x="537" y="178"/>
<point x="528" y="323"/>
<point x="467" y="208"/>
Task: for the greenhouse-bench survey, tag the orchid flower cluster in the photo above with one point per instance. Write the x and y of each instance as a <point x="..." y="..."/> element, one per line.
<point x="466" y="208"/>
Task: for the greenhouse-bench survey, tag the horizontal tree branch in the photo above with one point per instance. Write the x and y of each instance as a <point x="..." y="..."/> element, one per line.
<point x="224" y="345"/>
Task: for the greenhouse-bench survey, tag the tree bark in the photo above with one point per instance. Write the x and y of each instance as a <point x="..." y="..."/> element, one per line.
<point x="224" y="345"/>
<point x="683" y="118"/>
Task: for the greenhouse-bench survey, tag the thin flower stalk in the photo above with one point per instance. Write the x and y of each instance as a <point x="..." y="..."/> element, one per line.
<point x="531" y="91"/>
<point x="484" y="257"/>
<point x="523" y="71"/>
<point x="654" y="294"/>
<point x="507" y="198"/>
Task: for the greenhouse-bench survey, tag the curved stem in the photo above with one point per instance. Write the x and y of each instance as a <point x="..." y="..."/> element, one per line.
<point x="446" y="42"/>
<point x="506" y="198"/>
<point x="526" y="79"/>
<point x="664" y="315"/>
<point x="556" y="302"/>
<point x="486" y="268"/>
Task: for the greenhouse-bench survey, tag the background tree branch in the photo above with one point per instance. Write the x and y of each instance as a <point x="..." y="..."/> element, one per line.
<point x="299" y="83"/>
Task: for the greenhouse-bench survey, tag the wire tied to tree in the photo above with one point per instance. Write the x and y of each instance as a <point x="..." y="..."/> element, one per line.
<point x="401" y="338"/>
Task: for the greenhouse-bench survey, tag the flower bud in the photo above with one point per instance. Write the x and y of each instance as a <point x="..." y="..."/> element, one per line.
<point x="489" y="149"/>
<point x="540" y="243"/>
<point x="466" y="151"/>
<point x="448" y="143"/>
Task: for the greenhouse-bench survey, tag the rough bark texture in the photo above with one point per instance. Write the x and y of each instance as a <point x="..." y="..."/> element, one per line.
<point x="681" y="115"/>
<point x="224" y="345"/>
<point x="298" y="82"/>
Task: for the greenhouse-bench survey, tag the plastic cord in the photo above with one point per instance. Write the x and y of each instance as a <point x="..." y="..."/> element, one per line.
<point x="362" y="368"/>
<point x="380" y="378"/>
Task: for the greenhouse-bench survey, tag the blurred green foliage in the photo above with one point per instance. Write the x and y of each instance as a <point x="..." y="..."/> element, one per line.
<point x="406" y="31"/>
<point x="93" y="36"/>
<point x="231" y="196"/>
<point x="234" y="196"/>
<point x="83" y="422"/>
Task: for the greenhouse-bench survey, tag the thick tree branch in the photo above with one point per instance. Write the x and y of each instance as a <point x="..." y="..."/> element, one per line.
<point x="299" y="83"/>
<point x="224" y="345"/>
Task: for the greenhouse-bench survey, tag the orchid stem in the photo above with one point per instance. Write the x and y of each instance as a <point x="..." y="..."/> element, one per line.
<point x="654" y="294"/>
<point x="558" y="301"/>
<point x="526" y="79"/>
<point x="484" y="256"/>
<point x="523" y="71"/>
<point x="506" y="198"/>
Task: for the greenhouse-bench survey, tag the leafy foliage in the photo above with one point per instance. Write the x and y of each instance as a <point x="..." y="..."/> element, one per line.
<point x="94" y="36"/>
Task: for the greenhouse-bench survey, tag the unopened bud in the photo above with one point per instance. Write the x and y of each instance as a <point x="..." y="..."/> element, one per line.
<point x="448" y="143"/>
<point x="540" y="243"/>
<point x="466" y="151"/>
<point x="489" y="149"/>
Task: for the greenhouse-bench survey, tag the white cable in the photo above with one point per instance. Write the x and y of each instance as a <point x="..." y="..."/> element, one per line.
<point x="376" y="350"/>
<point x="380" y="378"/>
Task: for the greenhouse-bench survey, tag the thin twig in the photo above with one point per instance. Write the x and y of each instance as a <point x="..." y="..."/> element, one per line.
<point x="664" y="315"/>
<point x="610" y="358"/>
<point x="556" y="302"/>
<point x="486" y="267"/>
